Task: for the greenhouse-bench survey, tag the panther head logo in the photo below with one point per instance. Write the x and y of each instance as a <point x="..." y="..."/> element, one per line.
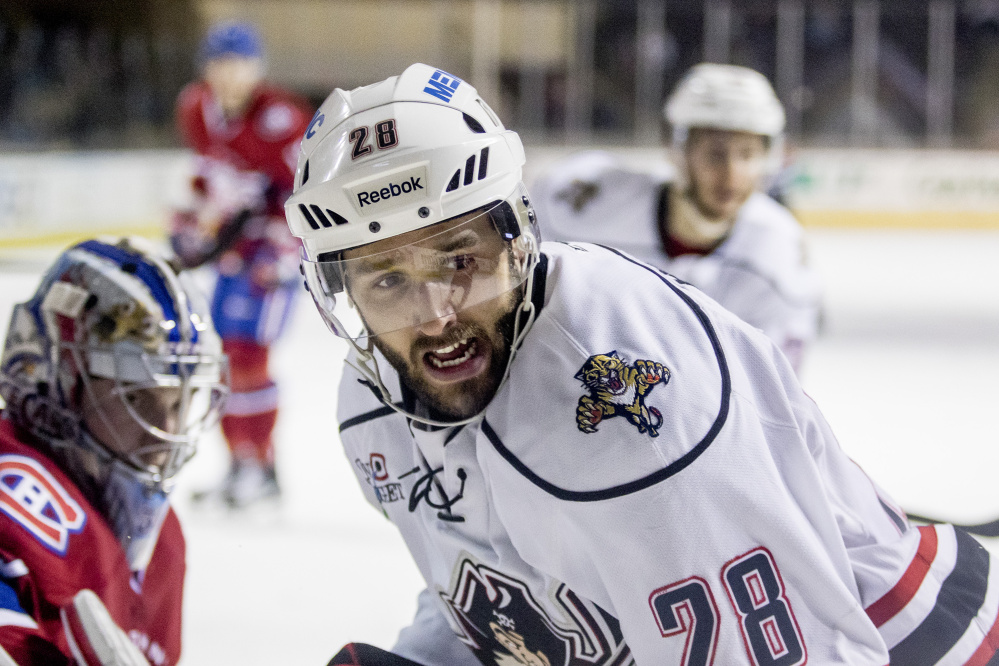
<point x="618" y="389"/>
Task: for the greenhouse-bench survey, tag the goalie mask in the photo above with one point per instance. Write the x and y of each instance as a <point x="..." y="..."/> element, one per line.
<point x="114" y="366"/>
<point x="410" y="207"/>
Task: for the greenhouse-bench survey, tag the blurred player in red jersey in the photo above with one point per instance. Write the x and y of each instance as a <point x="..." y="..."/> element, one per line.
<point x="109" y="373"/>
<point x="246" y="135"/>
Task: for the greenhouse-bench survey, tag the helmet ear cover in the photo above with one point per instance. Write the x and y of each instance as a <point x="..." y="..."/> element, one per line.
<point x="504" y="219"/>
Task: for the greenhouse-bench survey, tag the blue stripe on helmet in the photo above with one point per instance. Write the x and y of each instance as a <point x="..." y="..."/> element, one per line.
<point x="149" y="275"/>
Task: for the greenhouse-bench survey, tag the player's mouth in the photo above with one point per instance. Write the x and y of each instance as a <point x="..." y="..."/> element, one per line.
<point x="458" y="361"/>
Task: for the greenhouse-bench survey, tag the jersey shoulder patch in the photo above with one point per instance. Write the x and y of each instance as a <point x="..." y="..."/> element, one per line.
<point x="32" y="497"/>
<point x="634" y="384"/>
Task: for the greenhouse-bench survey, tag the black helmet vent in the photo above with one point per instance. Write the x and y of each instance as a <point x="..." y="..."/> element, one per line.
<point x="469" y="171"/>
<point x="474" y="124"/>
<point x="323" y="218"/>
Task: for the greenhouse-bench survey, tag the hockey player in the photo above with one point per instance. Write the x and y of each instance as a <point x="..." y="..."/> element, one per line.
<point x="590" y="461"/>
<point x="109" y="372"/>
<point x="246" y="134"/>
<point x="711" y="225"/>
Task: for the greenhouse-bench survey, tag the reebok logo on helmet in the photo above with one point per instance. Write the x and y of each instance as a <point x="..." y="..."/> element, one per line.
<point x="392" y="190"/>
<point x="373" y="195"/>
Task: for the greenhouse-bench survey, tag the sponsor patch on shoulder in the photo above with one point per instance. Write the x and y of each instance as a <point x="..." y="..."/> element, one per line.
<point x="30" y="495"/>
<point x="617" y="388"/>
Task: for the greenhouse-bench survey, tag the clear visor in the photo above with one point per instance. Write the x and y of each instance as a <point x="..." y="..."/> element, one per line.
<point x="426" y="274"/>
<point x="151" y="420"/>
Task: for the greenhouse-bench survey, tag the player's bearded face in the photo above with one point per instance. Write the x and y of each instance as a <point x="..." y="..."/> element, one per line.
<point x="440" y="304"/>
<point x="724" y="168"/>
<point x="477" y="343"/>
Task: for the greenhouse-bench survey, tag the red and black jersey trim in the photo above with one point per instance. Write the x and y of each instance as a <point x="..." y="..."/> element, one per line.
<point x="666" y="472"/>
<point x="960" y="599"/>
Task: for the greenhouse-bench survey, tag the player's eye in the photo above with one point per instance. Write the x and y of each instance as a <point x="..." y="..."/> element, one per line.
<point x="389" y="281"/>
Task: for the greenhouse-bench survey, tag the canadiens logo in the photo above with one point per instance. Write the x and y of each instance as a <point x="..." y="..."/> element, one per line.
<point x="30" y="495"/>
<point x="618" y="389"/>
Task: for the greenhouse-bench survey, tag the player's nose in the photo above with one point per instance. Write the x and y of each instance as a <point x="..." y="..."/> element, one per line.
<point x="439" y="308"/>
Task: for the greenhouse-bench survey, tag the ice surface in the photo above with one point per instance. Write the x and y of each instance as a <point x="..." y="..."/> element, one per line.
<point x="906" y="374"/>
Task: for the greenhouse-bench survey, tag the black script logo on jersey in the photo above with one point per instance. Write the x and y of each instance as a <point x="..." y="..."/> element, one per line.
<point x="499" y="618"/>
<point x="366" y="198"/>
<point x="619" y="389"/>
<point x="429" y="489"/>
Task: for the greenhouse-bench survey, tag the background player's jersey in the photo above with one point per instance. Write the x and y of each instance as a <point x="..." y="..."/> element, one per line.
<point x="265" y="139"/>
<point x="245" y="163"/>
<point x="53" y="543"/>
<point x="652" y="484"/>
<point x="758" y="272"/>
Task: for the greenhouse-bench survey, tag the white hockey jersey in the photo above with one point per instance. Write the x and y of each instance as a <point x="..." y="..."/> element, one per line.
<point x="758" y="272"/>
<point x="652" y="486"/>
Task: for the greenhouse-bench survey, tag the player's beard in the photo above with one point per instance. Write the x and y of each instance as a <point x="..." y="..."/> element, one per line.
<point x="463" y="399"/>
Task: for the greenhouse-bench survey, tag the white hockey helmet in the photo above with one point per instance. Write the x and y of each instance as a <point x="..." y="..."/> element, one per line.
<point x="725" y="97"/>
<point x="404" y="154"/>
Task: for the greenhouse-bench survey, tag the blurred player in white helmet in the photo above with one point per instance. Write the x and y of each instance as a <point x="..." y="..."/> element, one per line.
<point x="109" y="373"/>
<point x="245" y="133"/>
<point x="711" y="224"/>
<point x="590" y="461"/>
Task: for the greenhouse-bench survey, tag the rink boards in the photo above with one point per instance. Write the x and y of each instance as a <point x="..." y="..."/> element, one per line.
<point x="53" y="198"/>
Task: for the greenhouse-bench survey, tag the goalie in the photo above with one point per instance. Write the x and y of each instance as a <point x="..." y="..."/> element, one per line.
<point x="109" y="373"/>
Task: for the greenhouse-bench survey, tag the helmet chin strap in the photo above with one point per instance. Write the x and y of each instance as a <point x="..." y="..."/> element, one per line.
<point x="367" y="364"/>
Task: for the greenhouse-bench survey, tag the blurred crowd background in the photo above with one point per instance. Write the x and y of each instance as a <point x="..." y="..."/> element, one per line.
<point x="104" y="74"/>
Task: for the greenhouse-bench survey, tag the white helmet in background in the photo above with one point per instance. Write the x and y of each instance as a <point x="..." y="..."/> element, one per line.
<point x="727" y="97"/>
<point x="394" y="157"/>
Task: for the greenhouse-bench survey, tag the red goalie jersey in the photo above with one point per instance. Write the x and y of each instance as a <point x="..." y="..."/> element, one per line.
<point x="54" y="543"/>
